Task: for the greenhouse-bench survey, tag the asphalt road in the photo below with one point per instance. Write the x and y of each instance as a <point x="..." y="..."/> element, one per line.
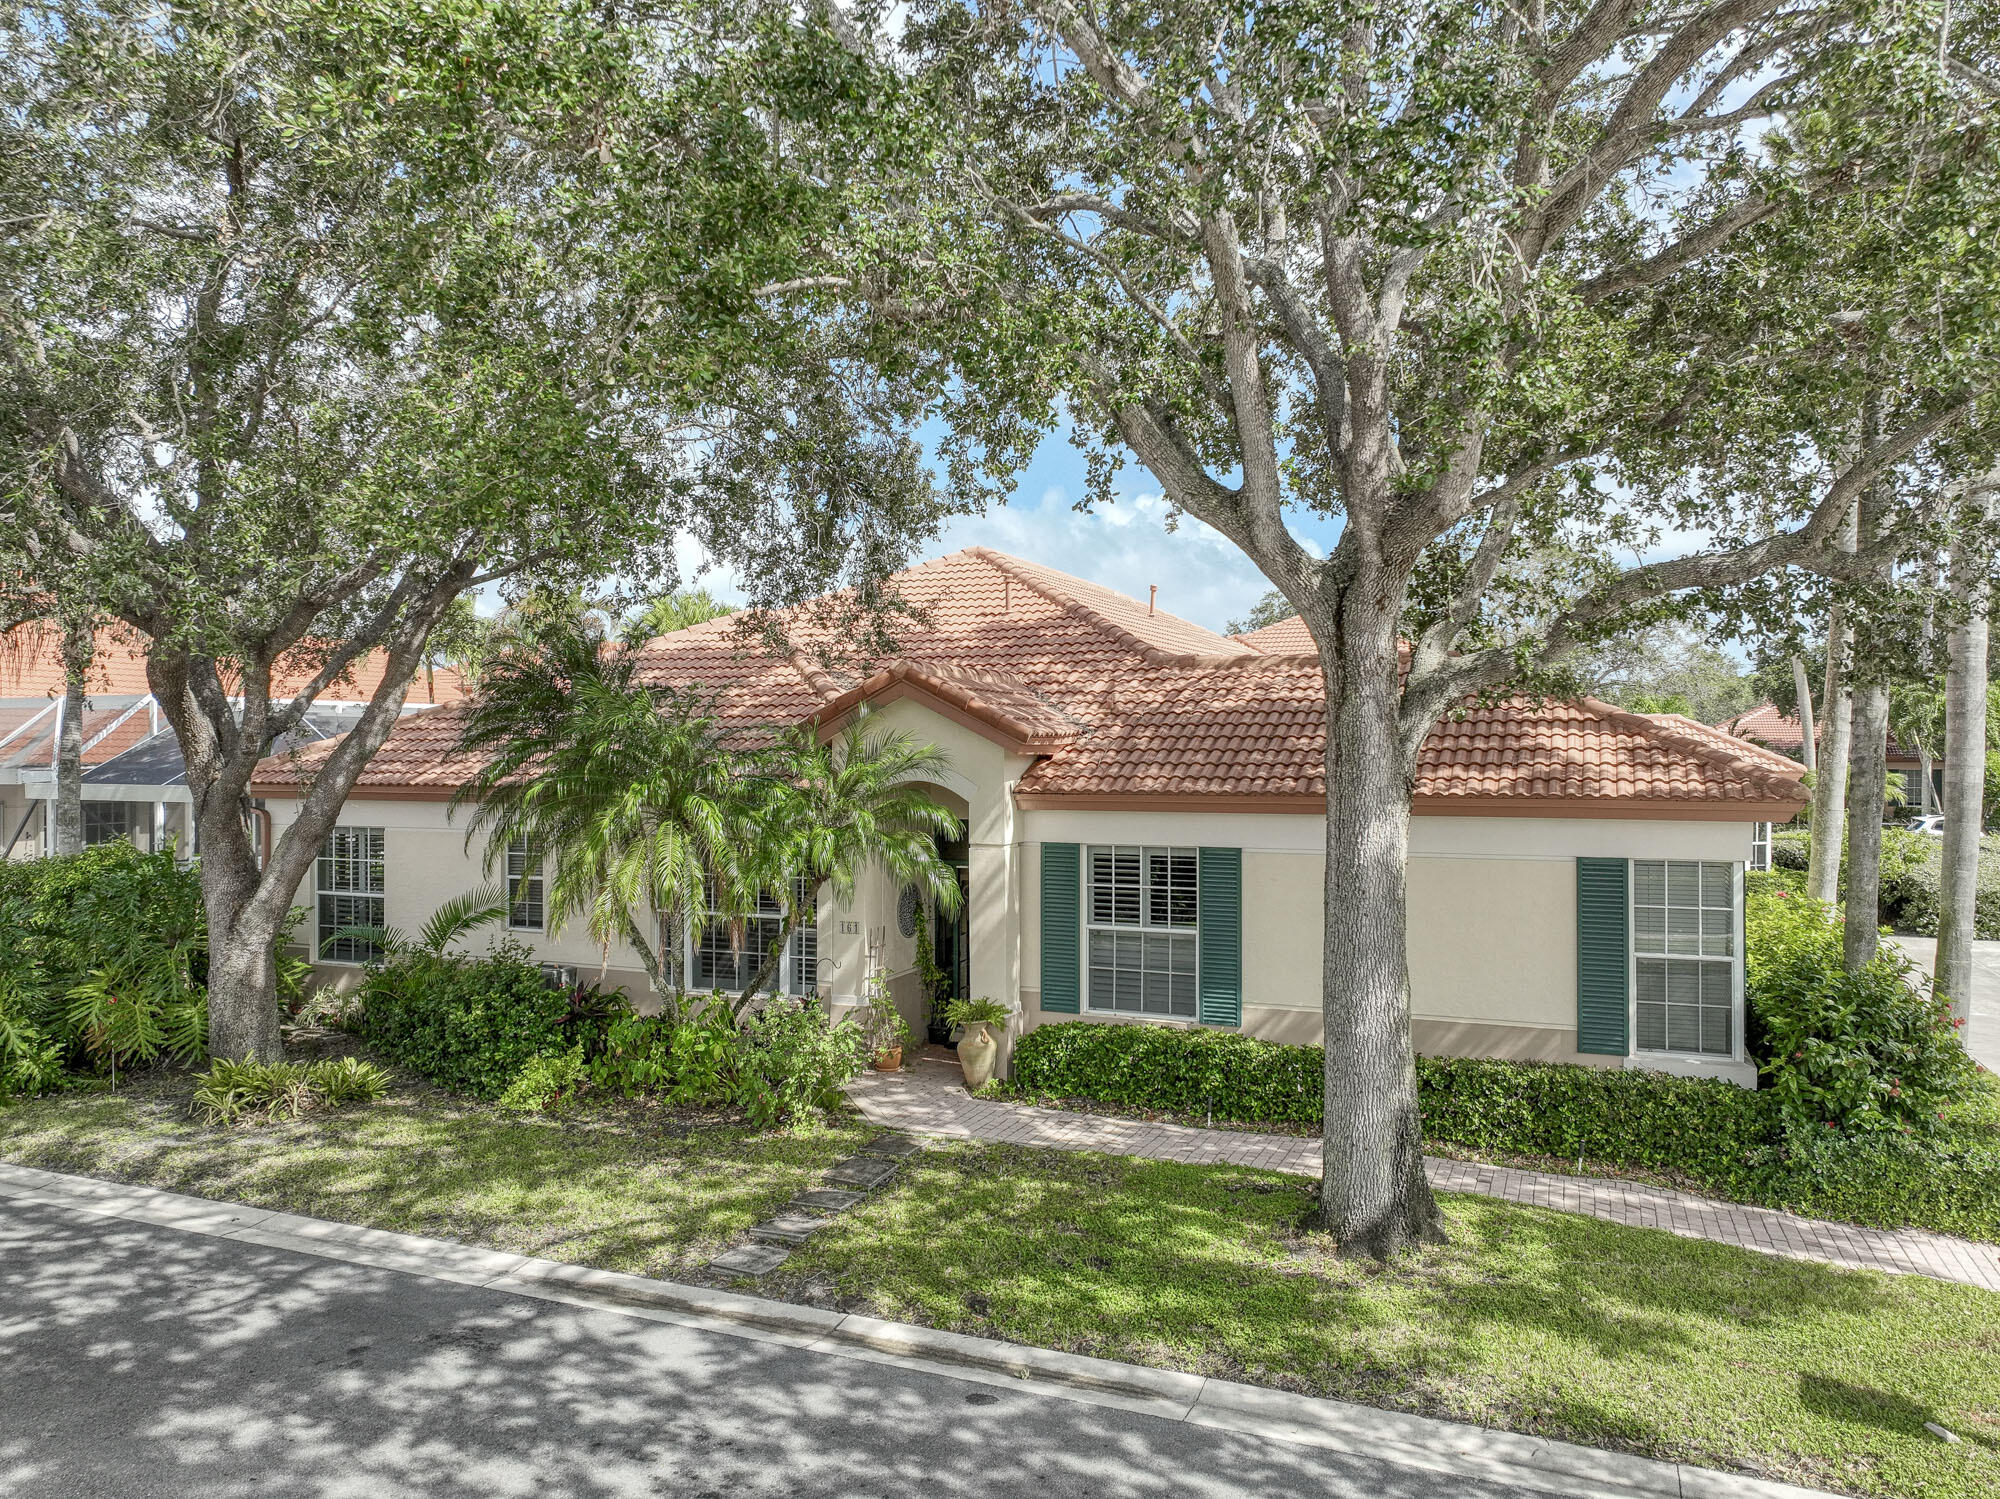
<point x="1982" y="1029"/>
<point x="139" y="1361"/>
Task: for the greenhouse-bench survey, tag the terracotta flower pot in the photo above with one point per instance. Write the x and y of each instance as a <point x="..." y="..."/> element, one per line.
<point x="889" y="1060"/>
<point x="978" y="1050"/>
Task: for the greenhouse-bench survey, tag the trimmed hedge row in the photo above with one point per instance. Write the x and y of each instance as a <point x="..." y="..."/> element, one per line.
<point x="1717" y="1136"/>
<point x="1633" y="1119"/>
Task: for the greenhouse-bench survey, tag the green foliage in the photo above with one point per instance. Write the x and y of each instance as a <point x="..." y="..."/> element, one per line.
<point x="883" y="1022"/>
<point x="548" y="1082"/>
<point x="1911" y="879"/>
<point x="1715" y="1136"/>
<point x="668" y="612"/>
<point x="981" y="1011"/>
<point x="104" y="967"/>
<point x="1855" y="1053"/>
<point x="230" y="1092"/>
<point x="1791" y="850"/>
<point x="796" y="1061"/>
<point x="1667" y="668"/>
<point x="1272" y="607"/>
<point x="469" y="1024"/>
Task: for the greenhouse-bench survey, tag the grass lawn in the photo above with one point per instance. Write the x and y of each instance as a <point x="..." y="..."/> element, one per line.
<point x="1531" y="1320"/>
<point x="626" y="1187"/>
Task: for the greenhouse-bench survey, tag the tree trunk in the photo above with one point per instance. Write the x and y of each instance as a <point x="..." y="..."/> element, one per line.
<point x="1867" y="786"/>
<point x="1836" y="737"/>
<point x="1925" y="782"/>
<point x="1374" y="1199"/>
<point x="242" y="954"/>
<point x="66" y="823"/>
<point x="1964" y="771"/>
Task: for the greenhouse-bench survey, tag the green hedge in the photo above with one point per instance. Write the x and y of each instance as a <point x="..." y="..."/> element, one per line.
<point x="470" y="1024"/>
<point x="1910" y="879"/>
<point x="1627" y="1118"/>
<point x="1717" y="1136"/>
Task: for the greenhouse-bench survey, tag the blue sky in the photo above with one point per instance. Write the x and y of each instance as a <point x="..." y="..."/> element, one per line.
<point x="1126" y="545"/>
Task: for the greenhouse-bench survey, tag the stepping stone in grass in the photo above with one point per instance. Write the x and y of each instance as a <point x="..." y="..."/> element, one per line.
<point x="825" y="1200"/>
<point x="787" y="1228"/>
<point x="751" y="1259"/>
<point x="896" y="1146"/>
<point x="862" y="1171"/>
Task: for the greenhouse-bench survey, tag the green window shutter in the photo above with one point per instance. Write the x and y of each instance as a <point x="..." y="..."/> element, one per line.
<point x="1062" y="909"/>
<point x="1603" y="956"/>
<point x="1220" y="914"/>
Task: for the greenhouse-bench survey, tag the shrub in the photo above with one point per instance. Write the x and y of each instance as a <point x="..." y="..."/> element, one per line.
<point x="1855" y="1053"/>
<point x="472" y="1024"/>
<point x="1237" y="1077"/>
<point x="796" y="1061"/>
<point x="104" y="966"/>
<point x="230" y="1092"/>
<point x="547" y="1082"/>
<point x="1791" y="851"/>
<point x="1628" y="1118"/>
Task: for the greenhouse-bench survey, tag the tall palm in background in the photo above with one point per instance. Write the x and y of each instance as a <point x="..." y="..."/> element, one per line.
<point x="825" y="812"/>
<point x="622" y="794"/>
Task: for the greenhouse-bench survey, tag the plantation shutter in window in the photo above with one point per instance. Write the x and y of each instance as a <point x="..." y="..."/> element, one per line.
<point x="1219" y="914"/>
<point x="1062" y="880"/>
<point x="1603" y="956"/>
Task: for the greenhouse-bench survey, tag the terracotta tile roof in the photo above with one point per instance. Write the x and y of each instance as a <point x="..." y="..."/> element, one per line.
<point x="1288" y="637"/>
<point x="31" y="666"/>
<point x="1121" y="701"/>
<point x="1765" y="725"/>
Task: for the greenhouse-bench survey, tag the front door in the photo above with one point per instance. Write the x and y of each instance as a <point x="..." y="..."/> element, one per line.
<point x="951" y="946"/>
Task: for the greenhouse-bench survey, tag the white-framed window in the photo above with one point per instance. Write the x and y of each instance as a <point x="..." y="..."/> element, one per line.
<point x="349" y="885"/>
<point x="1684" y="956"/>
<point x="525" y="911"/>
<point x="1141" y="907"/>
<point x="729" y="953"/>
<point x="1760" y="845"/>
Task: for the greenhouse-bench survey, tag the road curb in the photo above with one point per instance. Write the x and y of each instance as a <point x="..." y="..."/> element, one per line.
<point x="1251" y="1410"/>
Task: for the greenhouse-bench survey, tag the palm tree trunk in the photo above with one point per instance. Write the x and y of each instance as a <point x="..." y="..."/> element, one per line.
<point x="1964" y="768"/>
<point x="1836" y="738"/>
<point x="1866" y="791"/>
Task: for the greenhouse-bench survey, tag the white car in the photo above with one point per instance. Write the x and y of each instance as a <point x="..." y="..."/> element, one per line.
<point x="1931" y="824"/>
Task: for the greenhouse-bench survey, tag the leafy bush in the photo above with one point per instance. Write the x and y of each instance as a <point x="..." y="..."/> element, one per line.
<point x="796" y="1061"/>
<point x="1628" y="1118"/>
<point x="547" y="1082"/>
<point x="1791" y="851"/>
<point x="1856" y="1053"/>
<point x="105" y="965"/>
<point x="1910" y="879"/>
<point x="1237" y="1077"/>
<point x="472" y="1024"/>
<point x="233" y="1091"/>
<point x="1718" y="1137"/>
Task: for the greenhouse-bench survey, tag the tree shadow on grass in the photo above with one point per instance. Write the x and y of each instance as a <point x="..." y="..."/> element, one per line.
<point x="602" y="1189"/>
<point x="166" y="1362"/>
<point x="1530" y="1318"/>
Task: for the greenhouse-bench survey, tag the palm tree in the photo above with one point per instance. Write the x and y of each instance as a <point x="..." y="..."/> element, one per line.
<point x="824" y="812"/>
<point x="668" y="612"/>
<point x="623" y="795"/>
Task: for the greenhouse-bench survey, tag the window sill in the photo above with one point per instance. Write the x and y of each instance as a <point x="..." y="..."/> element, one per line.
<point x="1737" y="1070"/>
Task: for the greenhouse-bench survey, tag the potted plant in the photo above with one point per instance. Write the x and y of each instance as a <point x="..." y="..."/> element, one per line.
<point x="978" y="1047"/>
<point x="887" y="1030"/>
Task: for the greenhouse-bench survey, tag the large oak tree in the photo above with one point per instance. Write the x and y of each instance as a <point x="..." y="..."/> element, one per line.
<point x="1429" y="267"/>
<point x="317" y="314"/>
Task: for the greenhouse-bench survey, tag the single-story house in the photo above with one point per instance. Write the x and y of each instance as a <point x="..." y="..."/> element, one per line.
<point x="1143" y="811"/>
<point x="134" y="783"/>
<point x="1767" y="725"/>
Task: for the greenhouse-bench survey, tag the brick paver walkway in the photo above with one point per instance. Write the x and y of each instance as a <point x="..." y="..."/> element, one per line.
<point x="930" y="1099"/>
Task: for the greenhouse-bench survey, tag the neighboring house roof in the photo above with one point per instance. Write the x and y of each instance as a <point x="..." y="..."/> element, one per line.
<point x="1765" y="725"/>
<point x="1286" y="637"/>
<point x="1124" y="704"/>
<point x="31" y="667"/>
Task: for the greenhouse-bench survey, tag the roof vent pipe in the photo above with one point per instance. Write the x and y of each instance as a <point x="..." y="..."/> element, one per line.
<point x="1152" y="597"/>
